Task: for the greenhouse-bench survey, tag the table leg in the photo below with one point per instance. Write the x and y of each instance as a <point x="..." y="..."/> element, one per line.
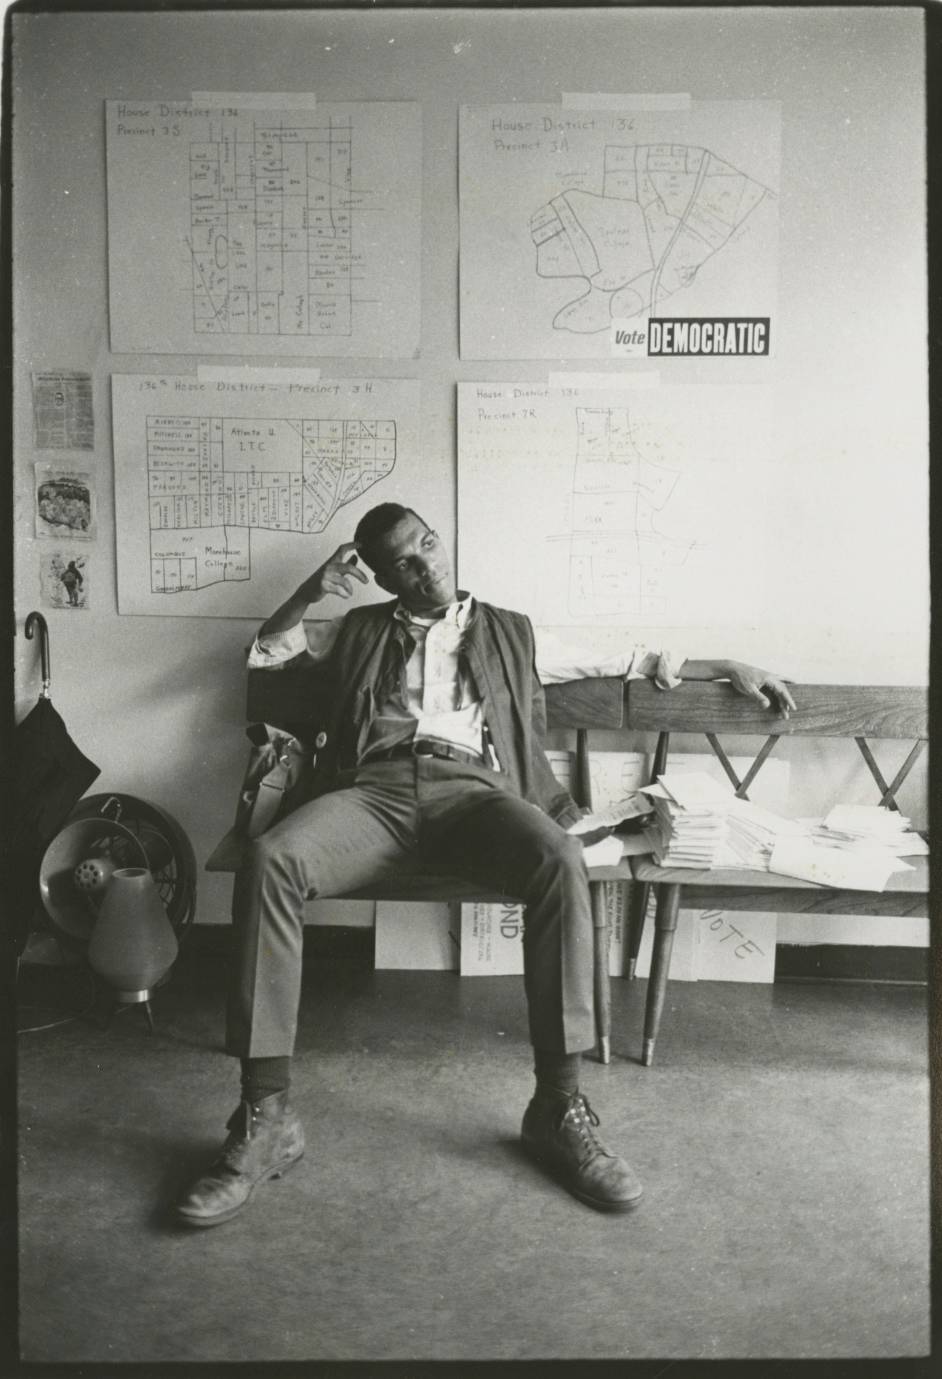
<point x="636" y="911"/>
<point x="665" y="926"/>
<point x="641" y="894"/>
<point x="603" y="992"/>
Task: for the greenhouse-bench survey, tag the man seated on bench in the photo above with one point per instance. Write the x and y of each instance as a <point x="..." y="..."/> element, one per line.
<point x="434" y="751"/>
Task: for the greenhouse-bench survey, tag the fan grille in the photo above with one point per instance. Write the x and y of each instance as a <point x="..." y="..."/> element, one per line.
<point x="130" y="830"/>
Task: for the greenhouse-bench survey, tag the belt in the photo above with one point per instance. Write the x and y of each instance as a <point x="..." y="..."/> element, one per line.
<point x="427" y="747"/>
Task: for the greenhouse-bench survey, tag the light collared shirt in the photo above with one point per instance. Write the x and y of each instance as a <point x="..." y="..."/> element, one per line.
<point x="440" y="697"/>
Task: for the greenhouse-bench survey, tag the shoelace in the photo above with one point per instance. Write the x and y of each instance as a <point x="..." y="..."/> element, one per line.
<point x="582" y="1118"/>
<point x="240" y="1132"/>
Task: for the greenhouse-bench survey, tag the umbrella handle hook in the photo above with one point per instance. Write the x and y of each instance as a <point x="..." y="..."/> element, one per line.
<point x="35" y="619"/>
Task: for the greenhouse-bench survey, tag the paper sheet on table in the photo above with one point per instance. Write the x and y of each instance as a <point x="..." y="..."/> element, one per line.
<point x="875" y="825"/>
<point x="871" y="819"/>
<point x="853" y="869"/>
<point x="911" y="845"/>
<point x="606" y="853"/>
<point x="694" y="789"/>
<point x="632" y="807"/>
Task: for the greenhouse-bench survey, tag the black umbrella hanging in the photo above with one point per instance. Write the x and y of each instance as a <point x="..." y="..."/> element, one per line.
<point x="50" y="775"/>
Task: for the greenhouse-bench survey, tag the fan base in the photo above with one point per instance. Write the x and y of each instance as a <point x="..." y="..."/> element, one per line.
<point x="132" y="998"/>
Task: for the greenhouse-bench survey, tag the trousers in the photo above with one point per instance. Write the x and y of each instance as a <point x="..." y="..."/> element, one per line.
<point x="462" y="820"/>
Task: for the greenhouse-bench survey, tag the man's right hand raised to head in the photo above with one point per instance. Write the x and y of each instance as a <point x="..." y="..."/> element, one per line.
<point x="335" y="576"/>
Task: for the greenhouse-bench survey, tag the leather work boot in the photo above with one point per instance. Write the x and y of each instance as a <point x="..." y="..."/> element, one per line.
<point x="265" y="1139"/>
<point x="562" y="1136"/>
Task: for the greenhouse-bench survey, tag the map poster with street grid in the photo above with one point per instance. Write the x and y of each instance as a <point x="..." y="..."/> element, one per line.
<point x="579" y="225"/>
<point x="229" y="492"/>
<point x="625" y="492"/>
<point x="264" y="232"/>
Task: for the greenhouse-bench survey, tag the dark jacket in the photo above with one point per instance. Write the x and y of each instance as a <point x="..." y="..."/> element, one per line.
<point x="498" y="645"/>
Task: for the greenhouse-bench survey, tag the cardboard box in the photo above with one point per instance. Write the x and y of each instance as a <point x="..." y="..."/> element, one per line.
<point x="613" y="775"/>
<point x="716" y="945"/>
<point x="735" y="945"/>
<point x="492" y="936"/>
<point x="709" y="945"/>
<point x="561" y="767"/>
<point x="491" y="940"/>
<point x="615" y="897"/>
<point x="416" y="935"/>
<point x="769" y="789"/>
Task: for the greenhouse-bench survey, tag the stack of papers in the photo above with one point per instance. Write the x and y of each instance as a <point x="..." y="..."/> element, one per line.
<point x="855" y="867"/>
<point x="873" y="825"/>
<point x="700" y="823"/>
<point x="752" y="833"/>
<point x="690" y="825"/>
<point x="857" y="846"/>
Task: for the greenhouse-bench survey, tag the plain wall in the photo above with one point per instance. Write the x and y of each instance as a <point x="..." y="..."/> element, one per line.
<point x="157" y="702"/>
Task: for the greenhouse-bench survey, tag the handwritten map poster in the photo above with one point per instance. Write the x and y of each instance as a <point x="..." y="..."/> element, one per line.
<point x="621" y="508"/>
<point x="229" y="492"/>
<point x="578" y="223"/>
<point x="277" y="232"/>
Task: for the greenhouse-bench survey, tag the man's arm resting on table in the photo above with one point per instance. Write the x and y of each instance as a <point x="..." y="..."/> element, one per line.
<point x="768" y="690"/>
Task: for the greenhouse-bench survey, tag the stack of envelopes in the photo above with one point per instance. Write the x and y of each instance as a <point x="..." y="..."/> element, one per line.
<point x="857" y="846"/>
<point x="690" y="819"/>
<point x="752" y="833"/>
<point x="872" y="825"/>
<point x="700" y="823"/>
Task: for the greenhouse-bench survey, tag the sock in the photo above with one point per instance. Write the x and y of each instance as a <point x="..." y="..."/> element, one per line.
<point x="557" y="1074"/>
<point x="262" y="1077"/>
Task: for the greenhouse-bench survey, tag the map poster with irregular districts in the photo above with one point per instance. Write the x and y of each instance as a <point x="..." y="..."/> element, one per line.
<point x="264" y="232"/>
<point x="626" y="494"/>
<point x="573" y="221"/>
<point x="229" y="492"/>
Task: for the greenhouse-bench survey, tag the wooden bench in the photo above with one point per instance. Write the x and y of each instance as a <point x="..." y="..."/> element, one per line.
<point x="292" y="698"/>
<point x="711" y="708"/>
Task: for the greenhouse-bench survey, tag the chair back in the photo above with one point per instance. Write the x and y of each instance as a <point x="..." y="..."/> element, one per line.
<point x="297" y="697"/>
<point x="711" y="707"/>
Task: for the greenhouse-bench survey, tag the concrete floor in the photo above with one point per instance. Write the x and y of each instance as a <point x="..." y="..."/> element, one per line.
<point x="781" y="1135"/>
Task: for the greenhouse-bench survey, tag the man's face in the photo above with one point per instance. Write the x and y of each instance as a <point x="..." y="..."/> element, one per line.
<point x="411" y="562"/>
